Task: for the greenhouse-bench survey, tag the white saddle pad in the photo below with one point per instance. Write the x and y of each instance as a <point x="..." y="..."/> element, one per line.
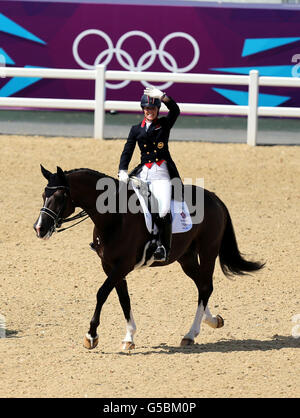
<point x="181" y="219"/>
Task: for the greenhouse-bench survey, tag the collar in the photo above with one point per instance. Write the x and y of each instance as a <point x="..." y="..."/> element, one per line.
<point x="144" y="122"/>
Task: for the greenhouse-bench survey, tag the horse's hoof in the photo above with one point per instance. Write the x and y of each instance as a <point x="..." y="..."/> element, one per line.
<point x="186" y="341"/>
<point x="220" y="321"/>
<point x="90" y="342"/>
<point x="127" y="345"/>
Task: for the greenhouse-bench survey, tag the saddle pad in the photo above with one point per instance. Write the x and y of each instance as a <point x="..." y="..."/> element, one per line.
<point x="181" y="219"/>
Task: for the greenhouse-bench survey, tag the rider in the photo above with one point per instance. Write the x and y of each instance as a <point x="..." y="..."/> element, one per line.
<point x="157" y="167"/>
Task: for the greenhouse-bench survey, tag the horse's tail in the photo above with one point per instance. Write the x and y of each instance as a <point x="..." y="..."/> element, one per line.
<point x="231" y="260"/>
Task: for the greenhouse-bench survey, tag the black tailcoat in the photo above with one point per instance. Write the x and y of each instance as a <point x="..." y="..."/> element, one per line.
<point x="153" y="143"/>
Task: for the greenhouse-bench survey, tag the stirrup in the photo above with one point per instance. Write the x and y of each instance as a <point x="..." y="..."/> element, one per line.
<point x="160" y="253"/>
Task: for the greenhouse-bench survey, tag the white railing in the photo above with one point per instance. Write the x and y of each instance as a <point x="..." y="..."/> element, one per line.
<point x="252" y="111"/>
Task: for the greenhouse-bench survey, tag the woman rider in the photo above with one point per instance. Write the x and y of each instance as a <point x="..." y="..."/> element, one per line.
<point x="157" y="167"/>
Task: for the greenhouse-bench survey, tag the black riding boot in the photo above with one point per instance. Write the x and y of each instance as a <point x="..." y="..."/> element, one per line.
<point x="165" y="237"/>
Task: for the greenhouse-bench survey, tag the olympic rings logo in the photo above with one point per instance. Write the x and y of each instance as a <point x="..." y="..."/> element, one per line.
<point x="144" y="62"/>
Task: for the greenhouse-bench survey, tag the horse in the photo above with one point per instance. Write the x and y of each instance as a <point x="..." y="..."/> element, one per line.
<point x="120" y="237"/>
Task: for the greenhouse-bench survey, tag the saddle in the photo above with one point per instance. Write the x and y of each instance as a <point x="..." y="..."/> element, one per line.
<point x="181" y="220"/>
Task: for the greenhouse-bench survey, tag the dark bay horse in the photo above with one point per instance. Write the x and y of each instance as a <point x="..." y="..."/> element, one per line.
<point x="119" y="239"/>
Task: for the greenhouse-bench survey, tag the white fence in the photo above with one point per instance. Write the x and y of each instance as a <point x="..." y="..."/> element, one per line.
<point x="252" y="111"/>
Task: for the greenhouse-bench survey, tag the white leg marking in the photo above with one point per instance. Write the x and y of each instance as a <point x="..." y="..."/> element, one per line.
<point x="131" y="329"/>
<point x="195" y="328"/>
<point x="210" y="319"/>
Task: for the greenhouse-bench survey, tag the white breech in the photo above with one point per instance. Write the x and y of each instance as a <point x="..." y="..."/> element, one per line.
<point x="160" y="186"/>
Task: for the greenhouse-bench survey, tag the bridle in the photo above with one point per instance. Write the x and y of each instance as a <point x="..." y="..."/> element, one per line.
<point x="57" y="218"/>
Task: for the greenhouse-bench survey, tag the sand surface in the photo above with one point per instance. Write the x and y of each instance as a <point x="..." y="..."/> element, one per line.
<point x="48" y="288"/>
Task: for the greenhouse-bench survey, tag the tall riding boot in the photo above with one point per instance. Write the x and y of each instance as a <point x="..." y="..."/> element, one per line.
<point x="165" y="238"/>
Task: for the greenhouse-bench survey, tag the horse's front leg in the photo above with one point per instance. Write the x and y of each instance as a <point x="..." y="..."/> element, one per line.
<point x="122" y="290"/>
<point x="91" y="338"/>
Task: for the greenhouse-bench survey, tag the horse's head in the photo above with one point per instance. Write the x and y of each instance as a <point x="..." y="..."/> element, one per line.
<point x="57" y="206"/>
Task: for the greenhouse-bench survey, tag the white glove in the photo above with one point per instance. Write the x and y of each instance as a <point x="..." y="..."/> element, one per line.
<point x="123" y="176"/>
<point x="153" y="92"/>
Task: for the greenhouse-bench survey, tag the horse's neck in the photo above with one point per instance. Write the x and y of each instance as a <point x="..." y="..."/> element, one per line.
<point x="82" y="190"/>
<point x="84" y="193"/>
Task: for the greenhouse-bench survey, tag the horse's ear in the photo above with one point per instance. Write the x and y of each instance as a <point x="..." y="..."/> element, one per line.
<point x="45" y="172"/>
<point x="61" y="173"/>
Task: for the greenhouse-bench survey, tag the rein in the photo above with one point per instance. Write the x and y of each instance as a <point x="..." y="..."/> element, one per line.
<point x="78" y="216"/>
<point x="57" y="221"/>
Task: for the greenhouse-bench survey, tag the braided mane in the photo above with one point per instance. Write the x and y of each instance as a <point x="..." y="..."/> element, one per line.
<point x="89" y="171"/>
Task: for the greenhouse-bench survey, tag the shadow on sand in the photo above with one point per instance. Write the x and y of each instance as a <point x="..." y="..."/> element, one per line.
<point x="9" y="333"/>
<point x="277" y="342"/>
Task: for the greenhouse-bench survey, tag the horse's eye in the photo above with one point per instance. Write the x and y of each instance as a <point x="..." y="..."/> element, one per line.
<point x="59" y="197"/>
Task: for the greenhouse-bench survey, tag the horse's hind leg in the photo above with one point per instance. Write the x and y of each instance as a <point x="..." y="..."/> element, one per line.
<point x="214" y="321"/>
<point x="202" y="277"/>
<point x="122" y="290"/>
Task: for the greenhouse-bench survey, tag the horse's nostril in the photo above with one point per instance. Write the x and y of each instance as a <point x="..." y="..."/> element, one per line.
<point x="39" y="230"/>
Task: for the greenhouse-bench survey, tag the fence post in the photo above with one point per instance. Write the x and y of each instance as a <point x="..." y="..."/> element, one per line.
<point x="252" y="107"/>
<point x="99" y="112"/>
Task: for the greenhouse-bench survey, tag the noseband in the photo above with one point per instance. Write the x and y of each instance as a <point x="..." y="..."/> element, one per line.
<point x="57" y="218"/>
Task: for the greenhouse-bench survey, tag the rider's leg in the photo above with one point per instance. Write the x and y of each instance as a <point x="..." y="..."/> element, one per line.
<point x="165" y="238"/>
<point x="160" y="186"/>
<point x="161" y="190"/>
